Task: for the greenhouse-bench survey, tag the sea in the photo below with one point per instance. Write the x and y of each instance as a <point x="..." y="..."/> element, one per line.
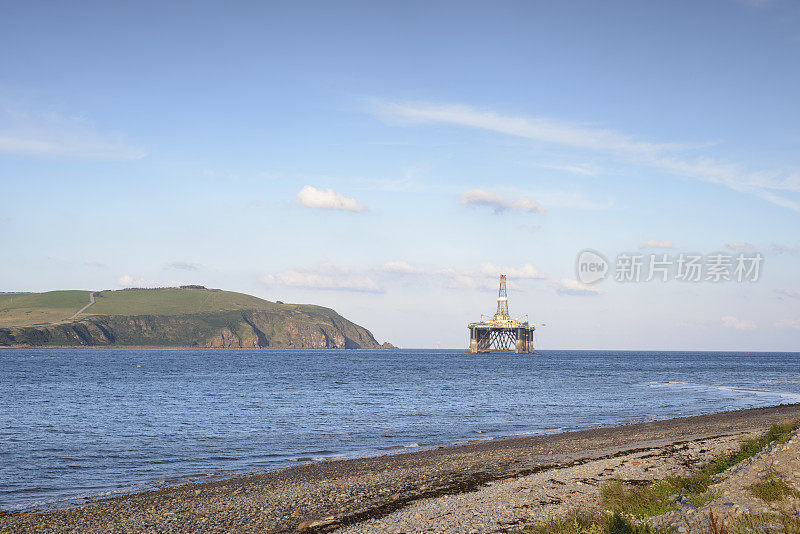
<point x="82" y="424"/>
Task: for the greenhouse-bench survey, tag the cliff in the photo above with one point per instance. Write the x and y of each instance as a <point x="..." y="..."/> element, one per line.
<point x="177" y="318"/>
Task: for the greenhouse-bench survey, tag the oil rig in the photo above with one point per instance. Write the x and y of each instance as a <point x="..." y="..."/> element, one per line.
<point x="501" y="333"/>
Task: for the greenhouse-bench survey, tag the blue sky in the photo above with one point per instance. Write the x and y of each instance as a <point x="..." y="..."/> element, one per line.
<point x="391" y="159"/>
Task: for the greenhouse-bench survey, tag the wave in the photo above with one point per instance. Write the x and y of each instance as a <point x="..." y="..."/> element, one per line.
<point x="744" y="391"/>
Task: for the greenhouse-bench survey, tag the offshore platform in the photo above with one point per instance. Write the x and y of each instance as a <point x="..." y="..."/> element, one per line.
<point x="501" y="333"/>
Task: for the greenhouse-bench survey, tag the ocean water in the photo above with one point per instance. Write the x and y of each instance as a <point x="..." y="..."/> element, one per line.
<point x="77" y="424"/>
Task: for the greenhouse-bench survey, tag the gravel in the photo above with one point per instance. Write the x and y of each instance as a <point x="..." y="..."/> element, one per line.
<point x="471" y="487"/>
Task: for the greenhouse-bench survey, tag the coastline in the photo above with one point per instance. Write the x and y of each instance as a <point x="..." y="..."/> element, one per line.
<point x="162" y="347"/>
<point x="337" y="493"/>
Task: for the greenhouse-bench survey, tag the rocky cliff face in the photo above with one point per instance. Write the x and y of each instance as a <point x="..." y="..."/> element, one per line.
<point x="310" y="327"/>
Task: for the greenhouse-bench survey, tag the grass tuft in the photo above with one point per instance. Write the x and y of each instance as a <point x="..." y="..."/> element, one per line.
<point x="659" y="497"/>
<point x="584" y="523"/>
<point x="773" y="488"/>
<point x="749" y="448"/>
<point x="640" y="501"/>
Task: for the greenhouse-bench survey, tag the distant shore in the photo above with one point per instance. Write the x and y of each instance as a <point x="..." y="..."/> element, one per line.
<point x="332" y="494"/>
<point x="160" y="347"/>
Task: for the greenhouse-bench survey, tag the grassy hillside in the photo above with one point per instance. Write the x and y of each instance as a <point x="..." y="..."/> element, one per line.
<point x="28" y="309"/>
<point x="173" y="301"/>
<point x="173" y="317"/>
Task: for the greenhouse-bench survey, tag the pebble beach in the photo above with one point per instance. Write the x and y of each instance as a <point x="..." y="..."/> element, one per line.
<point x="489" y="486"/>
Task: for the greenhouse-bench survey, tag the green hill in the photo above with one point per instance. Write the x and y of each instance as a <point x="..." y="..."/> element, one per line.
<point x="190" y="316"/>
<point x="26" y="309"/>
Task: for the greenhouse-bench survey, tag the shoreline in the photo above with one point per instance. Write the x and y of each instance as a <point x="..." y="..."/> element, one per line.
<point x="330" y="494"/>
<point x="177" y="481"/>
<point x="161" y="347"/>
<point x="457" y="349"/>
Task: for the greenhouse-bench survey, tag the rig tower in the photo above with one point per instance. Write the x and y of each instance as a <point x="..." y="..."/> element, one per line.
<point x="502" y="333"/>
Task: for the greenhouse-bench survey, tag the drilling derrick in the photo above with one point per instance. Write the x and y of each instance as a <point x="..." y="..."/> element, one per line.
<point x="501" y="333"/>
<point x="502" y="302"/>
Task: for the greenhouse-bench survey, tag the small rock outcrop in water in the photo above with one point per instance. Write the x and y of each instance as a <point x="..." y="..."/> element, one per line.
<point x="287" y="326"/>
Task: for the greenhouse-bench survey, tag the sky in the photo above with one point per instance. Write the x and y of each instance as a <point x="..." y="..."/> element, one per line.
<point x="391" y="159"/>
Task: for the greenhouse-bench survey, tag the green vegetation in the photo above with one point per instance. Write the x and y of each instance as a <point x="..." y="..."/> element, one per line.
<point x="756" y="524"/>
<point x="28" y="309"/>
<point x="626" y="501"/>
<point x="173" y="317"/>
<point x="749" y="448"/>
<point x="582" y="523"/>
<point x="174" y="302"/>
<point x="773" y="488"/>
<point x="640" y="501"/>
<point x="660" y="495"/>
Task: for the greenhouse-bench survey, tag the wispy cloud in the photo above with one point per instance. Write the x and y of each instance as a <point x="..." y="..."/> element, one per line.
<point x="771" y="185"/>
<point x="486" y="277"/>
<point x="525" y="272"/>
<point x="183" y="265"/>
<point x="60" y="136"/>
<point x="777" y="248"/>
<point x="654" y="243"/>
<point x="729" y="321"/>
<point x="793" y="293"/>
<point x="458" y="280"/>
<point x="372" y="279"/>
<point x="480" y="197"/>
<point x="401" y="267"/>
<point x="327" y="199"/>
<point x="789" y="323"/>
<point x="741" y="247"/>
<point x="568" y="286"/>
<point x="327" y="276"/>
<point x="583" y="169"/>
<point x="534" y="128"/>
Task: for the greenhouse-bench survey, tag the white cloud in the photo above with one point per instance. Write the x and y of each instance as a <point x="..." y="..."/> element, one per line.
<point x="324" y="277"/>
<point x="793" y="293"/>
<point x="327" y="199"/>
<point x="487" y="277"/>
<point x="527" y="271"/>
<point x="469" y="281"/>
<point x="742" y="247"/>
<point x="59" y="136"/>
<point x="183" y="265"/>
<point x="654" y="243"/>
<point x="401" y="267"/>
<point x="480" y="197"/>
<point x="789" y="323"/>
<point x="328" y="276"/>
<point x="771" y="186"/>
<point x="729" y="321"/>
<point x="568" y="286"/>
